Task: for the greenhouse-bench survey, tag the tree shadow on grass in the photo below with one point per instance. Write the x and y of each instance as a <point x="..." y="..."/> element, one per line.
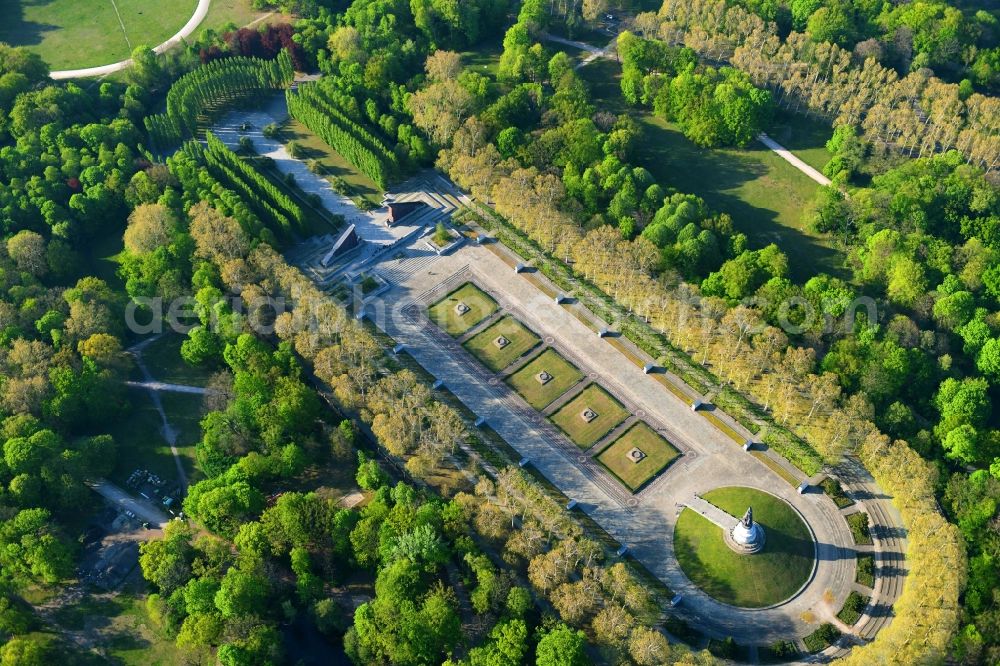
<point x="16" y="30"/>
<point x="798" y="131"/>
<point x="715" y="175"/>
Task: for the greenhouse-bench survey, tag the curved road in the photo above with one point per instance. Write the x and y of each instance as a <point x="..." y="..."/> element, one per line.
<point x="889" y="536"/>
<point x="199" y="15"/>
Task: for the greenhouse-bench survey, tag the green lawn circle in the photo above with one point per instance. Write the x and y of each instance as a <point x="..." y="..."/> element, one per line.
<point x="759" y="580"/>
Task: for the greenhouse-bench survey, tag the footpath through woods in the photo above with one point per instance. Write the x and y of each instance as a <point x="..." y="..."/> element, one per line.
<point x="169" y="432"/>
<point x="789" y="157"/>
<point x="594" y="53"/>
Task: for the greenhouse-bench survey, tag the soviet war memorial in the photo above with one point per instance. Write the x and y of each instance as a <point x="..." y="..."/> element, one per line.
<point x="508" y="332"/>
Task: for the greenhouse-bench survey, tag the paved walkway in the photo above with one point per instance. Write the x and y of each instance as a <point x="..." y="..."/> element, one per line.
<point x="593" y="52"/>
<point x="144" y="510"/>
<point x="370" y="225"/>
<point x="170" y="388"/>
<point x="199" y="15"/>
<point x="713" y="513"/>
<point x="787" y="155"/>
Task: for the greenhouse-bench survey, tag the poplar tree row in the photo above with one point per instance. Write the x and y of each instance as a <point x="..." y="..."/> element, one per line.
<point x="188" y="166"/>
<point x="256" y="184"/>
<point x="211" y="86"/>
<point x="273" y="219"/>
<point x="313" y="108"/>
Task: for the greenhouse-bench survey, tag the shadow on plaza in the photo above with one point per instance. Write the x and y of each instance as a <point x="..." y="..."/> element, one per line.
<point x="888" y="565"/>
<point x="885" y="532"/>
<point x="829" y="552"/>
<point x="880" y="610"/>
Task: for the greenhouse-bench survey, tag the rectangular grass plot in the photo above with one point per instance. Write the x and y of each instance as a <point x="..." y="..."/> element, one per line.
<point x="638" y="456"/>
<point x="589" y="416"/>
<point x="462" y="309"/>
<point x="544" y="379"/>
<point x="502" y="343"/>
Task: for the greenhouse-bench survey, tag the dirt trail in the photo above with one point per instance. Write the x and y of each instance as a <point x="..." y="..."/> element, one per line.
<point x="169" y="432"/>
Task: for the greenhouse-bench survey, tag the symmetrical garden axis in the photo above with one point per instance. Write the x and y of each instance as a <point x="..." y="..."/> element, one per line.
<point x="421" y="312"/>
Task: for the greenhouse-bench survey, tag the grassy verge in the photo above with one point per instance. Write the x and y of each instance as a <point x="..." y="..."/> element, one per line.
<point x="723" y="426"/>
<point x="824" y="635"/>
<point x="832" y="488"/>
<point x="865" y="571"/>
<point x="854" y="606"/>
<point x="776" y="467"/>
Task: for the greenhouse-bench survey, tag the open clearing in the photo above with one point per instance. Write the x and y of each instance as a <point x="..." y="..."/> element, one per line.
<point x="139" y="436"/>
<point x="72" y="34"/>
<point x="585" y="434"/>
<point x="163" y="358"/>
<point x="444" y="314"/>
<point x="748" y="581"/>
<point x="222" y="13"/>
<point x="764" y="194"/>
<point x="802" y="135"/>
<point x="658" y="454"/>
<point x="496" y="357"/>
<point x="538" y="395"/>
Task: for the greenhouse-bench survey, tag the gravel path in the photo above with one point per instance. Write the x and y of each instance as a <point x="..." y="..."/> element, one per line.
<point x="787" y="155"/>
<point x="166" y="386"/>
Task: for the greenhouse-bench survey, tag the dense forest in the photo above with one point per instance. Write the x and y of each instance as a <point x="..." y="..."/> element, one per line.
<point x="492" y="570"/>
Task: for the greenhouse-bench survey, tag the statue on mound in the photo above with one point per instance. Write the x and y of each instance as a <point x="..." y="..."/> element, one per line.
<point x="747" y="536"/>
